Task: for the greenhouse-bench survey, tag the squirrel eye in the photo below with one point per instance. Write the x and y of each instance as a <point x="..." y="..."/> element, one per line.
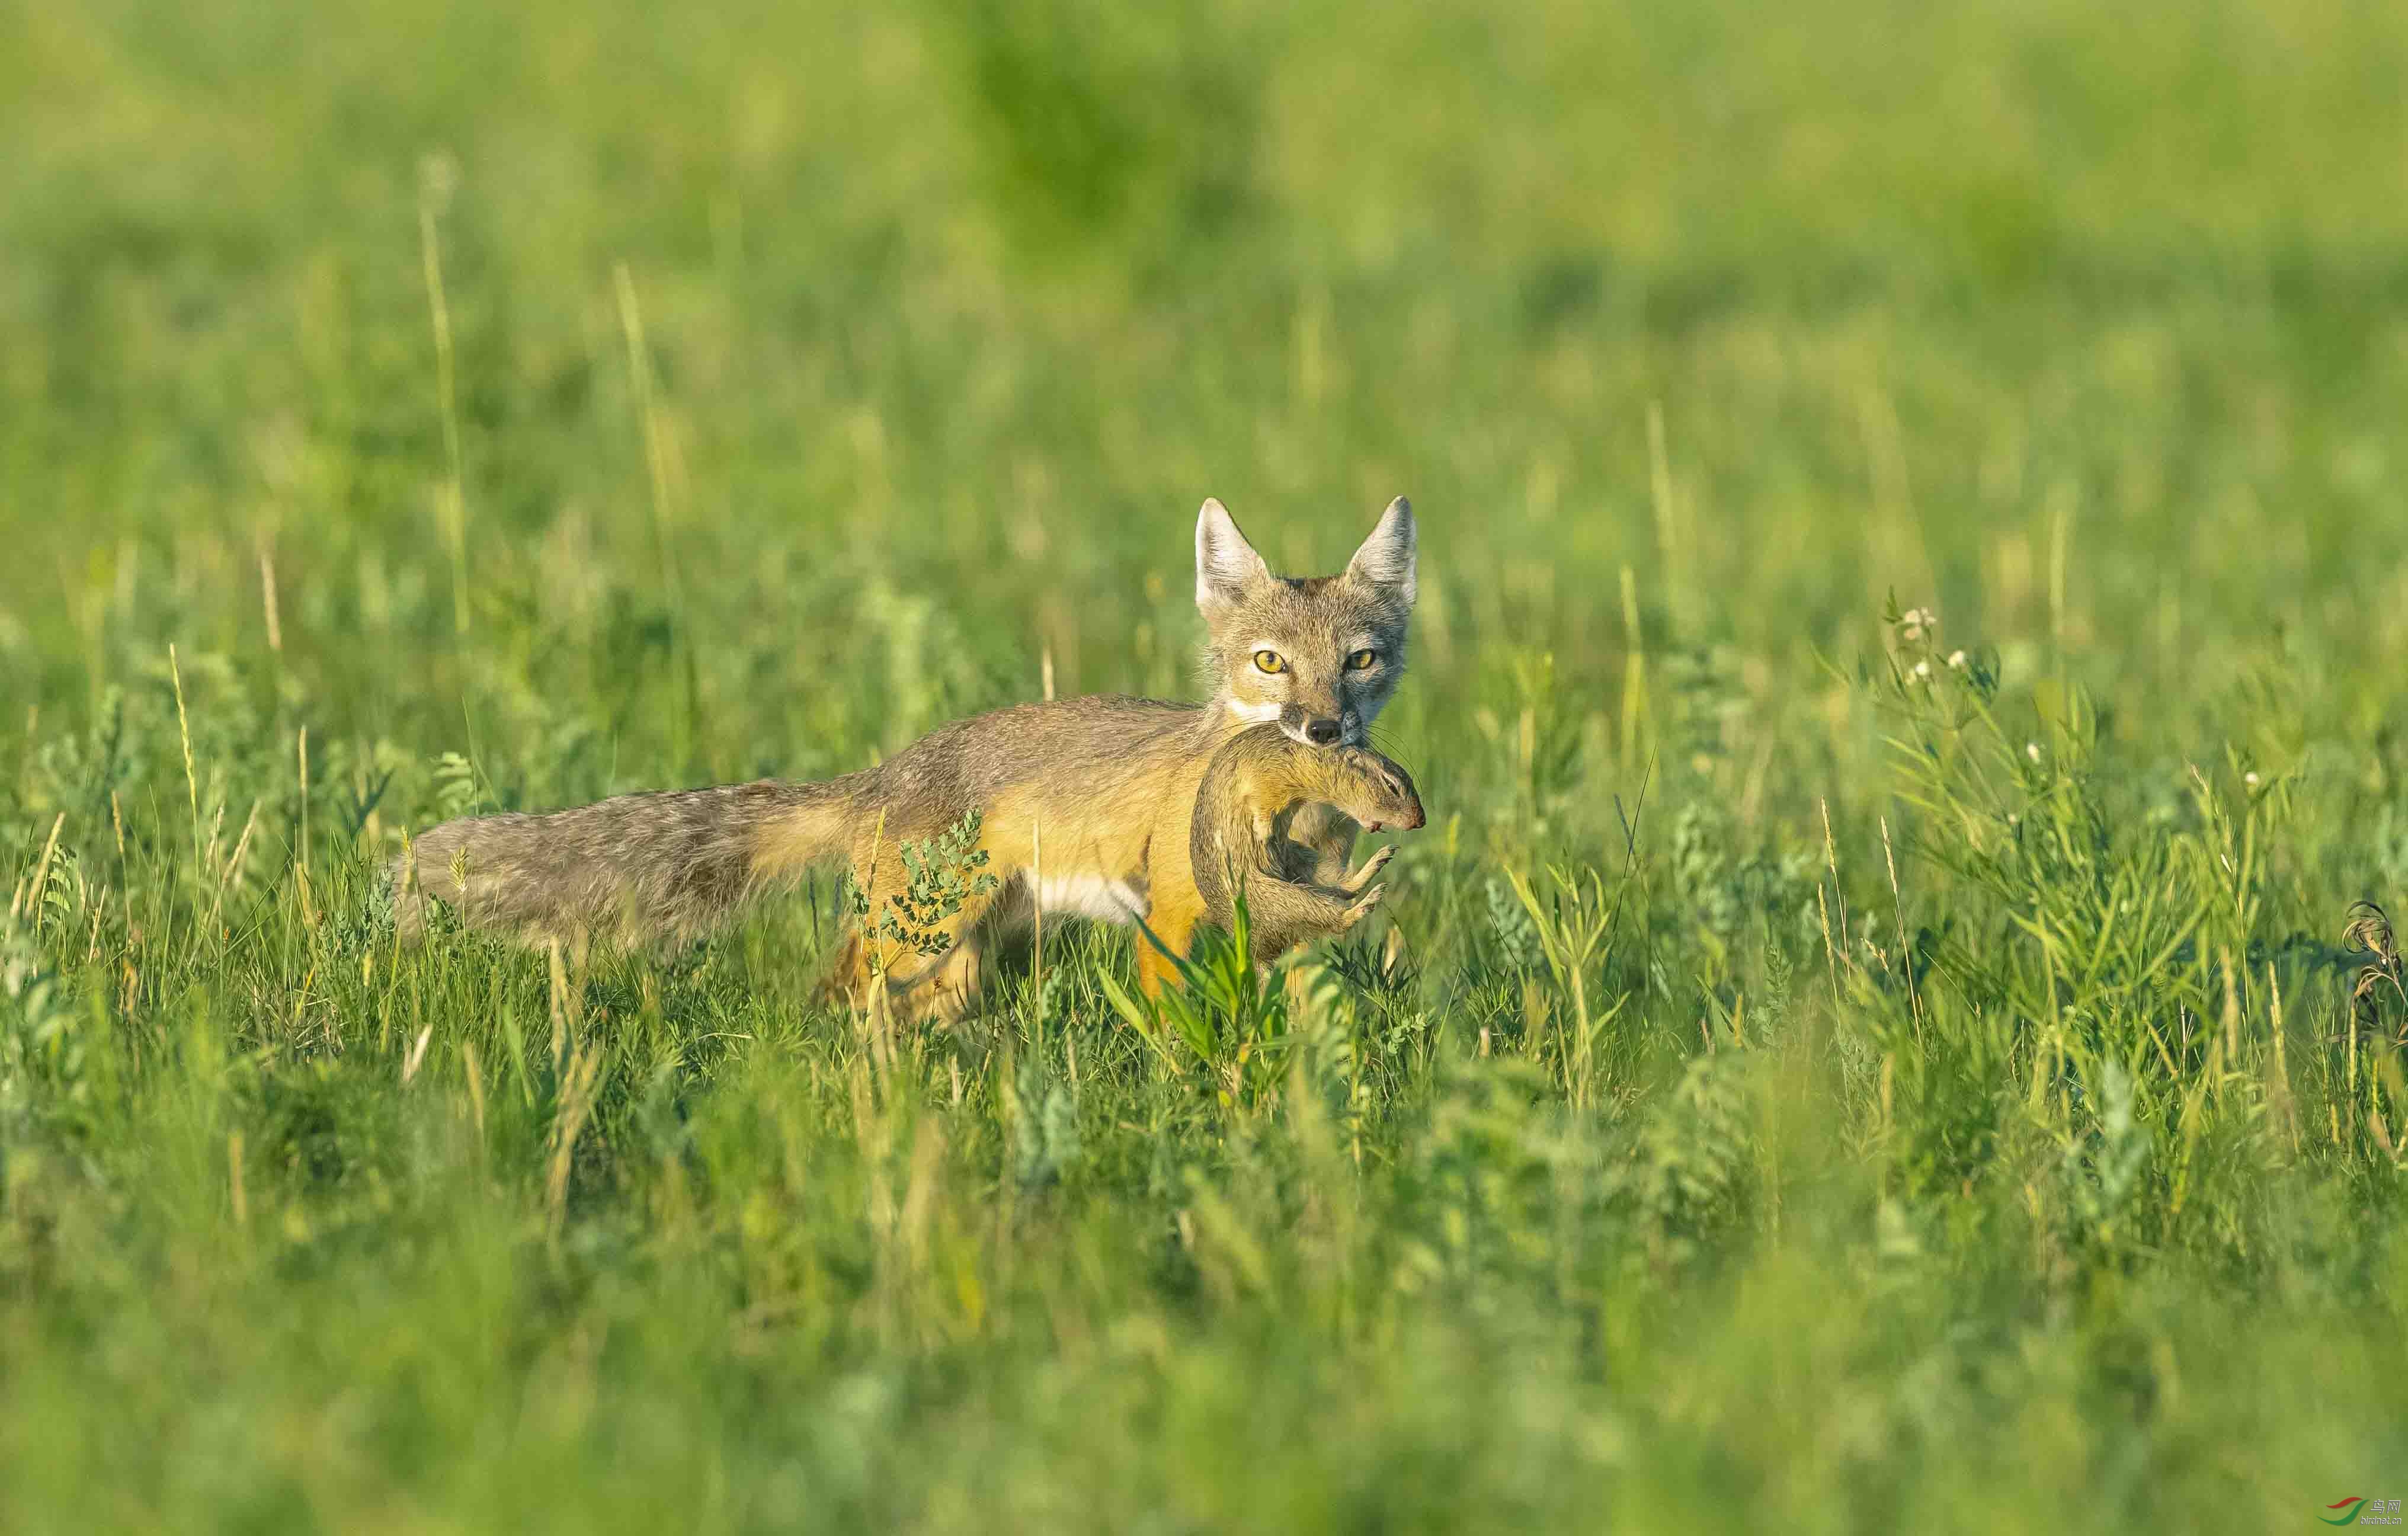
<point x="1361" y="660"/>
<point x="1270" y="661"/>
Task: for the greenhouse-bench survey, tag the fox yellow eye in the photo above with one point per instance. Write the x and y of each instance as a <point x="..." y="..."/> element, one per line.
<point x="1361" y="661"/>
<point x="1270" y="661"/>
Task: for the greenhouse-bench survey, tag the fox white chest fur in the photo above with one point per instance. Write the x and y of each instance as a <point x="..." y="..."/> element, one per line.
<point x="1097" y="896"/>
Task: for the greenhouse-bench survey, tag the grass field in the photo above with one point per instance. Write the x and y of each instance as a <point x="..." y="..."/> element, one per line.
<point x="1816" y="1072"/>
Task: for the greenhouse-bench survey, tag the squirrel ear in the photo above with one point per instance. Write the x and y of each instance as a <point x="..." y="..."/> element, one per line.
<point x="1225" y="564"/>
<point x="1386" y="558"/>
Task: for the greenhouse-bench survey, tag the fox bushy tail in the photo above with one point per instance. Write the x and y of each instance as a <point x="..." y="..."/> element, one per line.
<point x="659" y="868"/>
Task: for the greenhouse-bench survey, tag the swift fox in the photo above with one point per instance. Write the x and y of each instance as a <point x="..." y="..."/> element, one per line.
<point x="1251" y="793"/>
<point x="1085" y="804"/>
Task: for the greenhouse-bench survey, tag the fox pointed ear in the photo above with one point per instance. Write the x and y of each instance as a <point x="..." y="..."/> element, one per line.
<point x="1386" y="558"/>
<point x="1225" y="564"/>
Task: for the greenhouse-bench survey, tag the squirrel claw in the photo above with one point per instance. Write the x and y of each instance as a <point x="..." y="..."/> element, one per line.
<point x="1371" y="866"/>
<point x="1364" y="904"/>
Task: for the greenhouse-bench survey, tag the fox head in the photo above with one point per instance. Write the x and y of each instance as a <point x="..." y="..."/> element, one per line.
<point x="1319" y="656"/>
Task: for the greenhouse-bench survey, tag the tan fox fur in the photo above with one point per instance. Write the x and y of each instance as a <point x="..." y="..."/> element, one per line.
<point x="1103" y="786"/>
<point x="1238" y="839"/>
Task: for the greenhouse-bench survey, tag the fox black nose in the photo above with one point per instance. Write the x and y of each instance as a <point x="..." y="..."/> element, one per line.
<point x="1322" y="733"/>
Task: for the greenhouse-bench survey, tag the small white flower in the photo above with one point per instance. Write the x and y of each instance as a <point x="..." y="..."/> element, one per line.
<point x="2249" y="778"/>
<point x="1923" y="671"/>
<point x="2031" y="750"/>
<point x="1956" y="660"/>
<point x="1916" y="621"/>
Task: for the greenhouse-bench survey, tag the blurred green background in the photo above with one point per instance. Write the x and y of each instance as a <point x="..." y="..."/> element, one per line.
<point x="504" y="406"/>
<point x="976" y="303"/>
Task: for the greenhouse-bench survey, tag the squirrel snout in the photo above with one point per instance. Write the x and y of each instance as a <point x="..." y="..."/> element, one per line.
<point x="1408" y="815"/>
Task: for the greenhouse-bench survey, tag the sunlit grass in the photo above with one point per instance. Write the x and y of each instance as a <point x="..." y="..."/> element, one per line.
<point x="1904" y="685"/>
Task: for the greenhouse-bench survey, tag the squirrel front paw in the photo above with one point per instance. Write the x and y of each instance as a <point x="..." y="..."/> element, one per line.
<point x="1363" y="906"/>
<point x="1371" y="866"/>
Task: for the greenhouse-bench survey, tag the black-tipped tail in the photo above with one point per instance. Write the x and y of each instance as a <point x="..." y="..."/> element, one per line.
<point x="662" y="867"/>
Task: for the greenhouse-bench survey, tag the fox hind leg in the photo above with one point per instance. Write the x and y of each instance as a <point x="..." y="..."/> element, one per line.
<point x="943" y="986"/>
<point x="948" y="986"/>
